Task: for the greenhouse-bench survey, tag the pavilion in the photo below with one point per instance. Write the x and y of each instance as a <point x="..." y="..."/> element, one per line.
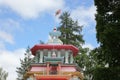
<point x="54" y="61"/>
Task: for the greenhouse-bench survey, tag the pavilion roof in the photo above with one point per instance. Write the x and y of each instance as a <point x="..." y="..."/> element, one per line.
<point x="57" y="47"/>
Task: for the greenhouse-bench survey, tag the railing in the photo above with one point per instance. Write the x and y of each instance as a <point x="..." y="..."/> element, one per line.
<point x="54" y="59"/>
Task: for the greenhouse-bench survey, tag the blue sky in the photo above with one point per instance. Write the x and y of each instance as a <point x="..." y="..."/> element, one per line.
<point x="25" y="22"/>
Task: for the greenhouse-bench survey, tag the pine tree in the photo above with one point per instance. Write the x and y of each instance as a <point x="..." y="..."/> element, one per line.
<point x="41" y="42"/>
<point x="3" y="74"/>
<point x="70" y="30"/>
<point x="25" y="63"/>
<point x="71" y="34"/>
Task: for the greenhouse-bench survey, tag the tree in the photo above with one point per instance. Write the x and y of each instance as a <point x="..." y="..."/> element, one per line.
<point x="25" y="63"/>
<point x="71" y="34"/>
<point x="88" y="61"/>
<point x="70" y="30"/>
<point x="41" y="42"/>
<point x="108" y="30"/>
<point x="82" y="59"/>
<point x="3" y="74"/>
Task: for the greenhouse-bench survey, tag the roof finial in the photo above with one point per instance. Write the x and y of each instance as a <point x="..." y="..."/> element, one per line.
<point x="55" y="29"/>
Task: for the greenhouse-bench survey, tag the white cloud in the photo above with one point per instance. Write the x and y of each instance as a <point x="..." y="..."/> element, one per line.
<point x="87" y="45"/>
<point x="32" y="8"/>
<point x="9" y="60"/>
<point x="85" y="15"/>
<point x="2" y="45"/>
<point x="4" y="36"/>
<point x="7" y="28"/>
<point x="9" y="25"/>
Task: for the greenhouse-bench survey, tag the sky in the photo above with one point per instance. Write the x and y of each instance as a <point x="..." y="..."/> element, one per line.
<point x="24" y="23"/>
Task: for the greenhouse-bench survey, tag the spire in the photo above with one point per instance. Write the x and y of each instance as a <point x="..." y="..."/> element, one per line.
<point x="55" y="37"/>
<point x="55" y="29"/>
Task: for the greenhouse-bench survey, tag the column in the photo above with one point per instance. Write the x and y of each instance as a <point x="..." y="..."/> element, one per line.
<point x="36" y="57"/>
<point x="47" y="68"/>
<point x="49" y="53"/>
<point x="58" y="54"/>
<point x="41" y="57"/>
<point x="59" y="69"/>
<point x="71" y="58"/>
<point x="66" y="57"/>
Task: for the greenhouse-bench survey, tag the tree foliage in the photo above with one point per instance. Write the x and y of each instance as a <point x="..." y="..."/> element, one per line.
<point x="71" y="34"/>
<point x="70" y="30"/>
<point x="41" y="42"/>
<point x="83" y="60"/>
<point x="3" y="74"/>
<point x="102" y="73"/>
<point x="88" y="61"/>
<point x="24" y="64"/>
<point x="108" y="30"/>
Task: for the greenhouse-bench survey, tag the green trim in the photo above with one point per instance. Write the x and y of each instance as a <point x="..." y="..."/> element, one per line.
<point x="54" y="60"/>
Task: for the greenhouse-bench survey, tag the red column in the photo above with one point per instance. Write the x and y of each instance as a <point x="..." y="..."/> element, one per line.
<point x="59" y="68"/>
<point x="48" y="69"/>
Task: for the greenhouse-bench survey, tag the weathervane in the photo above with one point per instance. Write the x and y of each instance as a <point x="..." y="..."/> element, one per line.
<point x="54" y="35"/>
<point x="58" y="12"/>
